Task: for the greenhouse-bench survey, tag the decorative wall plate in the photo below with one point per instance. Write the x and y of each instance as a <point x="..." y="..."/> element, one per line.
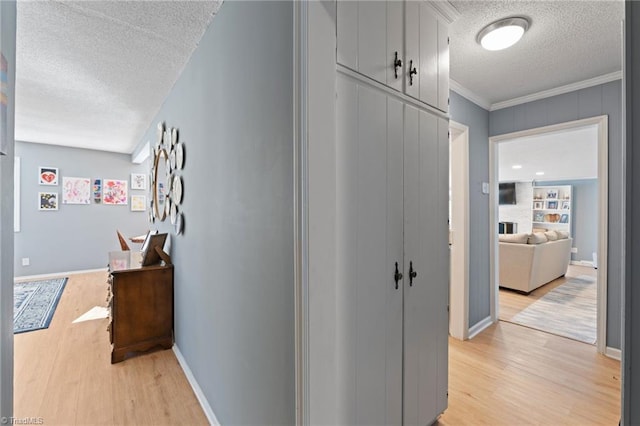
<point x="178" y="224"/>
<point x="172" y="159"/>
<point x="179" y="155"/>
<point x="174" y="213"/>
<point x="167" y="206"/>
<point x="177" y="189"/>
<point x="174" y="136"/>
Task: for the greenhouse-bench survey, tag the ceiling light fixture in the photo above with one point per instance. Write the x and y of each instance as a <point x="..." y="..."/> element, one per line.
<point x="516" y="166"/>
<point x="540" y="173"/>
<point x="503" y="33"/>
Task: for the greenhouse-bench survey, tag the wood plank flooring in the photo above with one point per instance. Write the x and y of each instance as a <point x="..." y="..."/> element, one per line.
<point x="63" y="374"/>
<point x="508" y="375"/>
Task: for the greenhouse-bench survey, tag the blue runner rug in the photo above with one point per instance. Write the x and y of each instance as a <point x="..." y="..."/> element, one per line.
<point x="34" y="303"/>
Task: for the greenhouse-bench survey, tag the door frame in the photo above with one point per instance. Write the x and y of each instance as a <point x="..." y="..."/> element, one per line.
<point x="601" y="123"/>
<point x="459" y="231"/>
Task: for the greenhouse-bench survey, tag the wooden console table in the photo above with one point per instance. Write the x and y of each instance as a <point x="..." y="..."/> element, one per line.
<point x="140" y="303"/>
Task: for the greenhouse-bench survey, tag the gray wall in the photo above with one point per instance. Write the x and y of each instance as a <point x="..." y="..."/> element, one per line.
<point x="234" y="292"/>
<point x="82" y="235"/>
<point x="8" y="48"/>
<point x="604" y="99"/>
<point x="466" y="112"/>
<point x="584" y="216"/>
<point x="631" y="295"/>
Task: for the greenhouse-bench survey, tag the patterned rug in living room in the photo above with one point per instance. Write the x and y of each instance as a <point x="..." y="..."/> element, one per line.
<point x="568" y="310"/>
<point x="35" y="302"/>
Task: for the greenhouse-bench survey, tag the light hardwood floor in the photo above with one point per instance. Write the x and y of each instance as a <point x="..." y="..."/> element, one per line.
<point x="508" y="375"/>
<point x="63" y="374"/>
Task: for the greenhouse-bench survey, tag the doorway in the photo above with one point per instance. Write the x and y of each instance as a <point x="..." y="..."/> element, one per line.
<point x="459" y="230"/>
<point x="600" y="124"/>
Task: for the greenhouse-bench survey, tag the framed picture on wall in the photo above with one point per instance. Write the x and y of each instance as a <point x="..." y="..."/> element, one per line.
<point x="47" y="201"/>
<point x="564" y="218"/>
<point x="538" y="205"/>
<point x="552" y="205"/>
<point x="566" y="205"/>
<point x="138" y="203"/>
<point x="47" y="175"/>
<point x="138" y="181"/>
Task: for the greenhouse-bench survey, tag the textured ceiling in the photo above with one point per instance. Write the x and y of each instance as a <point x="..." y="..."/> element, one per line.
<point x="551" y="153"/>
<point x="93" y="74"/>
<point x="567" y="42"/>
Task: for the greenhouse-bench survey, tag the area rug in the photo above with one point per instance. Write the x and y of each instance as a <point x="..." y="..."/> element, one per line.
<point x="568" y="310"/>
<point x="34" y="303"/>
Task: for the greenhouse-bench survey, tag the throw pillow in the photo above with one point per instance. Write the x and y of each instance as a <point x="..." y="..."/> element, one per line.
<point x="537" y="238"/>
<point x="562" y="235"/>
<point x="513" y="238"/>
<point x="551" y="235"/>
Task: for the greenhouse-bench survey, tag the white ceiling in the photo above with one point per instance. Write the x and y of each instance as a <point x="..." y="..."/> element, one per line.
<point x="94" y="73"/>
<point x="567" y="42"/>
<point x="569" y="154"/>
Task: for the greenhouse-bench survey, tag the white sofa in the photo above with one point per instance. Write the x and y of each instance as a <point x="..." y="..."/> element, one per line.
<point x="530" y="261"/>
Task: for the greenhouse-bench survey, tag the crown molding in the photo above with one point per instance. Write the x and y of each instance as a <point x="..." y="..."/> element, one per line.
<point x="446" y="9"/>
<point x="463" y="91"/>
<point x="617" y="75"/>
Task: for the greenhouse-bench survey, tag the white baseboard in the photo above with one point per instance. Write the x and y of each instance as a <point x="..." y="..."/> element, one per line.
<point x="208" y="411"/>
<point x="480" y="327"/>
<point x="57" y="274"/>
<point x="613" y="353"/>
<point x="582" y="263"/>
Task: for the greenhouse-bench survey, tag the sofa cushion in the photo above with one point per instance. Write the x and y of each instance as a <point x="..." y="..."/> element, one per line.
<point x="537" y="238"/>
<point x="514" y="238"/>
<point x="562" y="235"/>
<point x="551" y="235"/>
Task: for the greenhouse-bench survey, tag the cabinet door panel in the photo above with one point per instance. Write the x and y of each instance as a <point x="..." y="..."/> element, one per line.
<point x="441" y="276"/>
<point x="423" y="249"/>
<point x="428" y="72"/>
<point x="395" y="249"/>
<point x="411" y="47"/>
<point x="395" y="34"/>
<point x="369" y="308"/>
<point x="347" y="33"/>
<point x="443" y="65"/>
<point x="372" y="39"/>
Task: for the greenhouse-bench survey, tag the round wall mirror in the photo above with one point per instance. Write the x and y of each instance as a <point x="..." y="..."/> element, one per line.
<point x="161" y="184"/>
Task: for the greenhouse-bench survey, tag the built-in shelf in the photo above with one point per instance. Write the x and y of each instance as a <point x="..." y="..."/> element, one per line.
<point x="551" y="207"/>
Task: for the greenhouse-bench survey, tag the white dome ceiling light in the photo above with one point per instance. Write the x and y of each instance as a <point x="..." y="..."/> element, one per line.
<point x="503" y="33"/>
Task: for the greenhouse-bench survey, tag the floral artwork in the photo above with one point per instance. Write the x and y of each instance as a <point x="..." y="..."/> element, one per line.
<point x="115" y="192"/>
<point x="138" y="181"/>
<point x="76" y="190"/>
<point x="47" y="201"/>
<point x="138" y="203"/>
<point x="47" y="175"/>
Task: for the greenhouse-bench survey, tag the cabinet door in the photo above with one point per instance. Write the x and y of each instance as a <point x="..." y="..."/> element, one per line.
<point x="347" y="33"/>
<point x="372" y="39"/>
<point x="443" y="65"/>
<point x="369" y="233"/>
<point x="395" y="34"/>
<point x="426" y="253"/>
<point x="412" y="48"/>
<point x="428" y="52"/>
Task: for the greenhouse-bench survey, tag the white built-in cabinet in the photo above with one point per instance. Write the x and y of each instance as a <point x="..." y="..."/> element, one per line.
<point x="402" y="44"/>
<point x="392" y="251"/>
<point x="392" y="201"/>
